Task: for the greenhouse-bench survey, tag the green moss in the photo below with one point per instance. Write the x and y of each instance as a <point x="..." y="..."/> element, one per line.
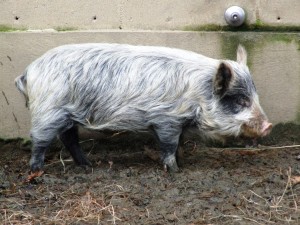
<point x="282" y="38"/>
<point x="61" y="29"/>
<point x="208" y="27"/>
<point x="298" y="118"/>
<point x="231" y="40"/>
<point x="5" y="28"/>
<point x="26" y="141"/>
<point x="259" y="23"/>
<point x="9" y="140"/>
<point x="298" y="114"/>
<point x="258" y="26"/>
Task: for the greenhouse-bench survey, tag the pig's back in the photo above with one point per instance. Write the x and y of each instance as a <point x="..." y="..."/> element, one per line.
<point x="114" y="80"/>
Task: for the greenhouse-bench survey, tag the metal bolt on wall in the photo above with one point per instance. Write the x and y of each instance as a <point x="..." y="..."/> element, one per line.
<point x="235" y="16"/>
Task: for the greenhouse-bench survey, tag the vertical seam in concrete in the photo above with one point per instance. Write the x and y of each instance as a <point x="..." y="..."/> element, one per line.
<point x="257" y="10"/>
<point x="121" y="13"/>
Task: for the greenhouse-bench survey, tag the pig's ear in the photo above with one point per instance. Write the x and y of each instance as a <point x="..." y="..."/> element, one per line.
<point x="241" y="55"/>
<point x="222" y="79"/>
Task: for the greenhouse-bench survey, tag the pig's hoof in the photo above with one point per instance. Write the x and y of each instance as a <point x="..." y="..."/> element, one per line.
<point x="171" y="169"/>
<point x="170" y="164"/>
<point x="84" y="162"/>
<point x="86" y="167"/>
<point x="36" y="166"/>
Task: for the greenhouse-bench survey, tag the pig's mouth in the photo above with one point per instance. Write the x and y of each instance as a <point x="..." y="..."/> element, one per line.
<point x="253" y="130"/>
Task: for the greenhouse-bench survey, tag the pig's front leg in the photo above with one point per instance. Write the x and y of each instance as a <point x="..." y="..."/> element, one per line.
<point x="168" y="151"/>
<point x="168" y="138"/>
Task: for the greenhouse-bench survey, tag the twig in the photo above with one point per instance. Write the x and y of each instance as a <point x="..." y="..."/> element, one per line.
<point x="86" y="141"/>
<point x="58" y="161"/>
<point x="61" y="160"/>
<point x="148" y="214"/>
<point x="87" y="120"/>
<point x="93" y="140"/>
<point x="279" y="147"/>
<point x="113" y="214"/>
<point x="288" y="183"/>
<point x="264" y="148"/>
<point x="236" y="217"/>
<point x="257" y="195"/>
<point x="117" y="133"/>
<point x="278" y="209"/>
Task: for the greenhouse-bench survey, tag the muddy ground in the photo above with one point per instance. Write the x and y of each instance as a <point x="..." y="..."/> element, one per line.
<point x="127" y="185"/>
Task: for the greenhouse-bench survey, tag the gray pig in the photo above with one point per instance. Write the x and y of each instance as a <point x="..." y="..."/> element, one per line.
<point x="137" y="88"/>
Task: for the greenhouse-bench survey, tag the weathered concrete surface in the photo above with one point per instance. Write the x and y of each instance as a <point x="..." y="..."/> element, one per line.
<point x="273" y="58"/>
<point x="137" y="14"/>
<point x="278" y="12"/>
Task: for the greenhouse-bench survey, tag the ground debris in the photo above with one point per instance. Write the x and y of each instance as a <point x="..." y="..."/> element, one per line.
<point x="129" y="186"/>
<point x="34" y="175"/>
<point x="295" y="180"/>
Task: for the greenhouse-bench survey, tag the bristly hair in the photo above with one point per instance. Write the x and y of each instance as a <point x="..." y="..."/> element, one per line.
<point x="123" y="87"/>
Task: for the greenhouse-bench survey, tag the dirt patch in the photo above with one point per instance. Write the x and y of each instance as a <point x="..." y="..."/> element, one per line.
<point x="127" y="184"/>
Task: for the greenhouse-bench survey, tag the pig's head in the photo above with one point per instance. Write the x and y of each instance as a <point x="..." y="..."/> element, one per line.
<point x="237" y="110"/>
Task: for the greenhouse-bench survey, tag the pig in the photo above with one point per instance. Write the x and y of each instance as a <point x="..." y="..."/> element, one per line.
<point x="122" y="87"/>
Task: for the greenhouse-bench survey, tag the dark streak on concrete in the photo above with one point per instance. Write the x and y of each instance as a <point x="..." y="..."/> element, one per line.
<point x="5" y="97"/>
<point x="9" y="58"/>
<point x="16" y="120"/>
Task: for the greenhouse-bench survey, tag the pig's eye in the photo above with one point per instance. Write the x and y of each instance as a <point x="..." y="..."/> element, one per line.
<point x="243" y="101"/>
<point x="233" y="104"/>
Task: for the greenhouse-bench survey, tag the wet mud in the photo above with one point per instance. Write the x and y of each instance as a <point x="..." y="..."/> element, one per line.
<point x="217" y="184"/>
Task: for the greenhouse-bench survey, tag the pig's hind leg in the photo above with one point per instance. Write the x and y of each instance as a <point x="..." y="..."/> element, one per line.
<point x="38" y="154"/>
<point x="45" y="127"/>
<point x="71" y="141"/>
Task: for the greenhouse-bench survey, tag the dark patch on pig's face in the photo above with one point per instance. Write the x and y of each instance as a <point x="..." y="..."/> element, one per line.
<point x="238" y="98"/>
<point x="234" y="104"/>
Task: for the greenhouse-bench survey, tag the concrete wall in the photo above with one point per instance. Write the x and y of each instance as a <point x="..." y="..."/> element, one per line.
<point x="274" y="61"/>
<point x="273" y="57"/>
<point x="141" y="14"/>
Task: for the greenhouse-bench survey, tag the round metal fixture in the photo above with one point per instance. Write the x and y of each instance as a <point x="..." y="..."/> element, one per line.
<point x="235" y="16"/>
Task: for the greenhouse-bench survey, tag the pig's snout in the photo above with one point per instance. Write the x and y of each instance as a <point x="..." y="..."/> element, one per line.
<point x="256" y="129"/>
<point x="258" y="125"/>
<point x="266" y="128"/>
